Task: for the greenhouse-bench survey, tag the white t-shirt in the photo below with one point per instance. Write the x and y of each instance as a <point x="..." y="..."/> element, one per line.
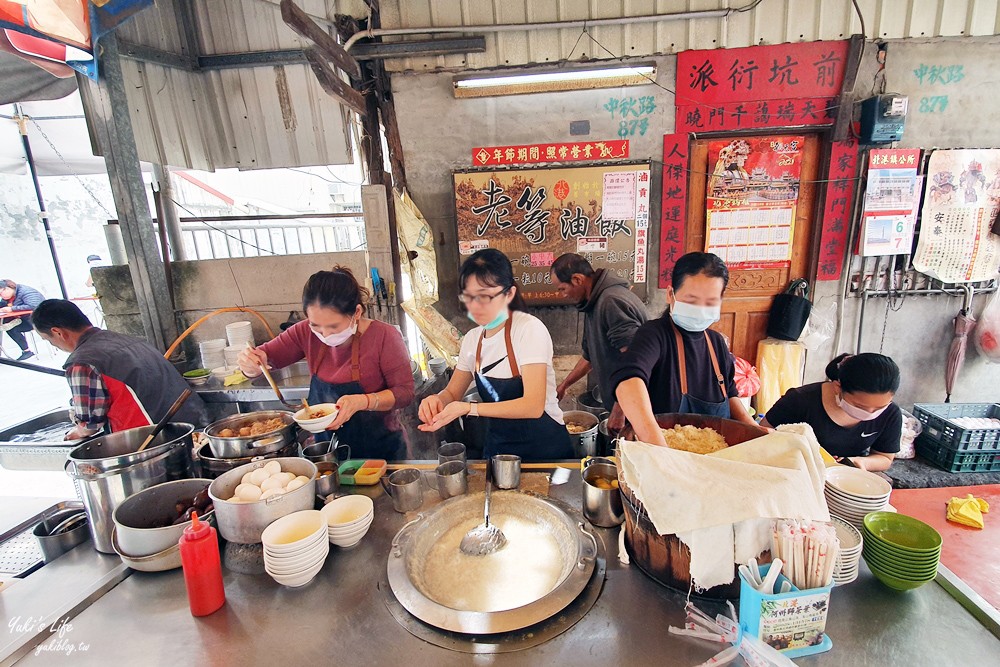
<point x="532" y="345"/>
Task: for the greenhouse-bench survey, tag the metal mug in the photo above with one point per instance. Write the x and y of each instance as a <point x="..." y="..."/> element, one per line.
<point x="602" y="507"/>
<point x="403" y="486"/>
<point x="507" y="471"/>
<point x="451" y="479"/>
<point x="325" y="452"/>
<point x="327" y="484"/>
<point x="451" y="451"/>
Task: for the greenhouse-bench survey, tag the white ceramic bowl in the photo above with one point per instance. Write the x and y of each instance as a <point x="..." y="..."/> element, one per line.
<point x="293" y="532"/>
<point x="296" y="567"/>
<point x="345" y="543"/>
<point x="306" y="553"/>
<point x="348" y="511"/>
<point x="317" y="424"/>
<point x="298" y="580"/>
<point x="849" y="499"/>
<point x="355" y="535"/>
<point x="860" y="483"/>
<point x="340" y="531"/>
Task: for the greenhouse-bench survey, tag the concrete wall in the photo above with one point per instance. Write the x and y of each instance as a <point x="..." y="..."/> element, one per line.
<point x="439" y="131"/>
<point x="270" y="285"/>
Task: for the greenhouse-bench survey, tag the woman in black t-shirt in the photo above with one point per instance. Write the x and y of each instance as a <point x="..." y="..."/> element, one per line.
<point x="852" y="414"/>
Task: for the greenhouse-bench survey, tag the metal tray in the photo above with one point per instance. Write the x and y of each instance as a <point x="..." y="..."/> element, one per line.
<point x="35" y="455"/>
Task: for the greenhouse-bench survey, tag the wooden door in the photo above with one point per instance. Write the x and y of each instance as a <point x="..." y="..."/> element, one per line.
<point x="751" y="291"/>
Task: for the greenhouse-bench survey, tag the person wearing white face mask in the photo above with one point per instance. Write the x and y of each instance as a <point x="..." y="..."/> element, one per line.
<point x="509" y="356"/>
<point x="360" y="364"/>
<point x="852" y="413"/>
<point x="675" y="363"/>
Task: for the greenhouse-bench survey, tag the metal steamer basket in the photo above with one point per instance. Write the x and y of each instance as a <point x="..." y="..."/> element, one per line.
<point x="251" y="445"/>
<point x="409" y="560"/>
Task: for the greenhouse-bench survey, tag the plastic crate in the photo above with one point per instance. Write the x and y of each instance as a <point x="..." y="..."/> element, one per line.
<point x="938" y="427"/>
<point x="954" y="461"/>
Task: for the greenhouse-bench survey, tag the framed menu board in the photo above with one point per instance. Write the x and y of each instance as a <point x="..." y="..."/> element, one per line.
<point x="535" y="215"/>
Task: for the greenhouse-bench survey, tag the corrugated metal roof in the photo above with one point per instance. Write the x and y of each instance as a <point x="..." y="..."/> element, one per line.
<point x="771" y="22"/>
<point x="261" y="117"/>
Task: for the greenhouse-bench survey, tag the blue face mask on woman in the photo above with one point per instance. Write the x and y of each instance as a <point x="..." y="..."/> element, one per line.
<point x="694" y="318"/>
<point x="497" y="321"/>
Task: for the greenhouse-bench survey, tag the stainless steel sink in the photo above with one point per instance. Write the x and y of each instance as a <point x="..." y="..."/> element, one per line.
<point x="20" y="554"/>
<point x="289" y="377"/>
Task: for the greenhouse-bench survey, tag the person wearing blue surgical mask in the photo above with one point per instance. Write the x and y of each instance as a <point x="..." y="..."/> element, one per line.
<point x="852" y="413"/>
<point x="362" y="365"/>
<point x="675" y="363"/>
<point x="509" y="357"/>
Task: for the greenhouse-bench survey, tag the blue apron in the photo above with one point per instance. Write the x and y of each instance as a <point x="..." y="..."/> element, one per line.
<point x="690" y="404"/>
<point x="365" y="431"/>
<point x="540" y="439"/>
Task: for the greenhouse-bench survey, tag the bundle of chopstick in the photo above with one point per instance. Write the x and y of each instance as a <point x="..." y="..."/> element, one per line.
<point x="808" y="549"/>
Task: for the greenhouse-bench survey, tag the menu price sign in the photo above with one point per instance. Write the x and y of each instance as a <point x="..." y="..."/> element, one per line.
<point x="779" y="85"/>
<point x="891" y="201"/>
<point x="837" y="208"/>
<point x="673" y="203"/>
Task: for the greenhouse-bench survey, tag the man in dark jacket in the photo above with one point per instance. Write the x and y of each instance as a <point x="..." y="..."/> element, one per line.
<point x="14" y="297"/>
<point x="612" y="313"/>
<point x="118" y="382"/>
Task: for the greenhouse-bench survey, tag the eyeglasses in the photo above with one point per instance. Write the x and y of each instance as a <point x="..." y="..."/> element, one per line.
<point x="481" y="299"/>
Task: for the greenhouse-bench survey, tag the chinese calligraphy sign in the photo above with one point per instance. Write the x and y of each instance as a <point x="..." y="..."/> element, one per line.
<point x="837" y="208"/>
<point x="573" y="151"/>
<point x="673" y="204"/>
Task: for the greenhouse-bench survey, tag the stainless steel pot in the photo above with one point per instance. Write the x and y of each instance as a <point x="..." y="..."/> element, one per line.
<point x="602" y="507"/>
<point x="244" y="522"/>
<point x="409" y="562"/>
<point x="585" y="443"/>
<point x="134" y="519"/>
<point x="590" y="401"/>
<point x="108" y="469"/>
<point x="254" y="445"/>
<point x="61" y="531"/>
<point x="212" y="467"/>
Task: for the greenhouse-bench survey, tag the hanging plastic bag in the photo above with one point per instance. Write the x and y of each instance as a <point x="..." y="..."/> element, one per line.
<point x="747" y="380"/>
<point x="987" y="332"/>
<point x="821" y="325"/>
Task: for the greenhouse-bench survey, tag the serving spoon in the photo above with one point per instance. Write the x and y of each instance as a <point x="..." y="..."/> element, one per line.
<point x="274" y="385"/>
<point x="486" y="537"/>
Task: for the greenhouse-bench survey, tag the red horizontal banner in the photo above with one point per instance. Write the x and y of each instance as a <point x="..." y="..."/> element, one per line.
<point x="758" y="114"/>
<point x="574" y="151"/>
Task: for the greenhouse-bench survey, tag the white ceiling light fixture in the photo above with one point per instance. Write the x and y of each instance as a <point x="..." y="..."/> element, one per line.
<point x="546" y="81"/>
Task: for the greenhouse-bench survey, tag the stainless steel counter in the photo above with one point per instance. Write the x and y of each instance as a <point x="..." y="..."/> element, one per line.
<point x="340" y="618"/>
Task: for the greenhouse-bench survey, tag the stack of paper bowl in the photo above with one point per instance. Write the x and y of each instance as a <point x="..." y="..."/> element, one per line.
<point x="902" y="552"/>
<point x="212" y="354"/>
<point x="348" y="518"/>
<point x="239" y="334"/>
<point x="852" y="493"/>
<point x="295" y="548"/>
<point x="851" y="543"/>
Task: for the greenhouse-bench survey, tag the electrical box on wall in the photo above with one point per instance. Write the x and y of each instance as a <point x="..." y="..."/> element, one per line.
<point x="883" y="118"/>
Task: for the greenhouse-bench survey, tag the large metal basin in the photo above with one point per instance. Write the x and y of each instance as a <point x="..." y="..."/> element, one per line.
<point x="410" y="565"/>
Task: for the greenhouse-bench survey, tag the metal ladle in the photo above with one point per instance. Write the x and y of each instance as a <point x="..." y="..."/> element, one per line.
<point x="486" y="537"/>
<point x="274" y="385"/>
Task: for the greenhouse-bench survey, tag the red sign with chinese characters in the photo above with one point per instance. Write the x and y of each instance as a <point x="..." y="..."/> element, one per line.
<point x="837" y="208"/>
<point x="759" y="86"/>
<point x="673" y="204"/>
<point x="573" y="151"/>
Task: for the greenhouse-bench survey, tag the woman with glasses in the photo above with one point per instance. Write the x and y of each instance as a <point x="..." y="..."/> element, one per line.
<point x="360" y="364"/>
<point x="509" y="357"/>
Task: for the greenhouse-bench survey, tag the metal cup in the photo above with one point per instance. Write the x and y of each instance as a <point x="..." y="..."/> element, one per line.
<point x="327" y="484"/>
<point x="602" y="507"/>
<point x="451" y="479"/>
<point x="451" y="451"/>
<point x="325" y="452"/>
<point x="403" y="486"/>
<point x="507" y="471"/>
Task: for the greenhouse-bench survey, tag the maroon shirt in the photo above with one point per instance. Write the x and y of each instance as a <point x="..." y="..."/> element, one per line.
<point x="385" y="363"/>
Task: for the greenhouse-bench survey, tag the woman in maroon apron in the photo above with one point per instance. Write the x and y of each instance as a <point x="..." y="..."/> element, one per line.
<point x="509" y="357"/>
<point x="362" y="365"/>
<point x="675" y="363"/>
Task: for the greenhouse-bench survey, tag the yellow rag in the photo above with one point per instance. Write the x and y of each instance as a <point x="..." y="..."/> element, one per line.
<point x="235" y="378"/>
<point x="968" y="511"/>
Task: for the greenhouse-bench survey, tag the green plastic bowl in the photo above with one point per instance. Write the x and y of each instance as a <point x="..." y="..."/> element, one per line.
<point x="197" y="373"/>
<point x="902" y="571"/>
<point x="903" y="532"/>
<point x="900" y="565"/>
<point x="890" y="549"/>
<point x="896" y="583"/>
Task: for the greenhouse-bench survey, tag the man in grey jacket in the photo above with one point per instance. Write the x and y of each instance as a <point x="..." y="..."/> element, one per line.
<point x="612" y="313"/>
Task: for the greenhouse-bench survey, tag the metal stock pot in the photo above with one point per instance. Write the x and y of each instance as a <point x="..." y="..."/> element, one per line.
<point x="251" y="445"/>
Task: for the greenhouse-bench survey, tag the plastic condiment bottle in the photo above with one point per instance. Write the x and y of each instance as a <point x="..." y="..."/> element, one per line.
<point x="202" y="568"/>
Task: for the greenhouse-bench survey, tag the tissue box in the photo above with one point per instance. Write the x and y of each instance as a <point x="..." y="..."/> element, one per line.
<point x="792" y="622"/>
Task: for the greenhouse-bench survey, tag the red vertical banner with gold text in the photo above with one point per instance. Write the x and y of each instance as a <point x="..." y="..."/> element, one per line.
<point x="837" y="208"/>
<point x="673" y="205"/>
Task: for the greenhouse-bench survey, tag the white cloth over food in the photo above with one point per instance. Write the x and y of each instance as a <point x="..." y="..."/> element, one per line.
<point x="721" y="505"/>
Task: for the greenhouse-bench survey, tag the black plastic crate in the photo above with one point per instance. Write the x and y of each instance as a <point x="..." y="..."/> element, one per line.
<point x="954" y="461"/>
<point x="938" y="427"/>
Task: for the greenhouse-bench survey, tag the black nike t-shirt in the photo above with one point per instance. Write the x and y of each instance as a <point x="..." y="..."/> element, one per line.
<point x="805" y="404"/>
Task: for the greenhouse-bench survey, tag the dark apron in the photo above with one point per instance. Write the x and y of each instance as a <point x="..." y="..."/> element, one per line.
<point x="541" y="439"/>
<point x="365" y="431"/>
<point x="690" y="404"/>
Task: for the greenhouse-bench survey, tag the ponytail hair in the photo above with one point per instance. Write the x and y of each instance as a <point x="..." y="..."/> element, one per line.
<point x="337" y="289"/>
<point x="868" y="373"/>
<point x="493" y="269"/>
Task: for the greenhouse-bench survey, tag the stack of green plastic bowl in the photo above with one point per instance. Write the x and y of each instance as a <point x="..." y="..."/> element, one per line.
<point x="902" y="552"/>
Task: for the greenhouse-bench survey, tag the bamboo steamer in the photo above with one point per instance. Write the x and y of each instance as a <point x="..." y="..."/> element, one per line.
<point x="664" y="558"/>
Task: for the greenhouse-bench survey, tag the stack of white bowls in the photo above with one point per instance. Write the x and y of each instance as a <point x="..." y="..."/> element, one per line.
<point x="852" y="493"/>
<point x="348" y="519"/>
<point x="212" y="354"/>
<point x="295" y="547"/>
<point x="239" y="334"/>
<point x="851" y="543"/>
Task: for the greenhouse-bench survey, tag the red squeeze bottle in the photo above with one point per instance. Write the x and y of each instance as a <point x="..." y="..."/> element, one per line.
<point x="202" y="568"/>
